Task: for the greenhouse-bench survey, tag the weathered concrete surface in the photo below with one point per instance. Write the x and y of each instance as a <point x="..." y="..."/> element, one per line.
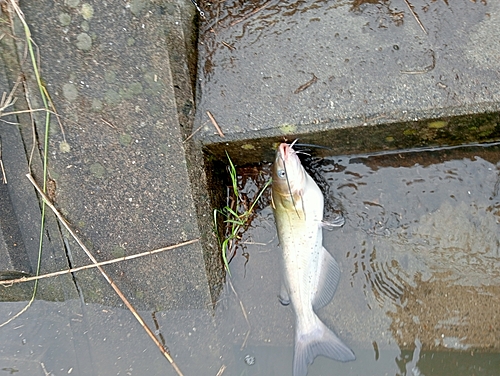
<point x="119" y="168"/>
<point x="119" y="175"/>
<point x="20" y="211"/>
<point x="283" y="69"/>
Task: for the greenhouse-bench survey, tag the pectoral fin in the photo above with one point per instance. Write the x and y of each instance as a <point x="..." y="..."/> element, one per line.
<point x="328" y="280"/>
<point x="283" y="297"/>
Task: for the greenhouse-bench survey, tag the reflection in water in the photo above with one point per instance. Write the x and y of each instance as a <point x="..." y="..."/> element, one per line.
<point x="382" y="279"/>
<point x="420" y="260"/>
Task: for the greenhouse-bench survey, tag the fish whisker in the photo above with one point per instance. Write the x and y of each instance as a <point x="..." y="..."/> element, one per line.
<point x="314" y="146"/>
<point x="302" y="152"/>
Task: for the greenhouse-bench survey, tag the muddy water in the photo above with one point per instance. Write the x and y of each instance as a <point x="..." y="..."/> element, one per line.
<point x="420" y="260"/>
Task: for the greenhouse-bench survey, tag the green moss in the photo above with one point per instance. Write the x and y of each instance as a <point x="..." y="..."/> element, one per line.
<point x="112" y="97"/>
<point x="117" y="252"/>
<point x="139" y="295"/>
<point x="125" y="139"/>
<point x="64" y="19"/>
<point x="87" y="11"/>
<point x="131" y="91"/>
<point x="72" y="3"/>
<point x="438" y="124"/>
<point x="97" y="170"/>
<point x="110" y="76"/>
<point x="288" y="128"/>
<point x="96" y="105"/>
<point x="85" y="26"/>
<point x="135" y="88"/>
<point x="70" y="92"/>
<point x="83" y="42"/>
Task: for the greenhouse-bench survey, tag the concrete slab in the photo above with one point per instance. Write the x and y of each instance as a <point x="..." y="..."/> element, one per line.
<point x="283" y="69"/>
<point x="181" y="36"/>
<point x="120" y="171"/>
<point x="119" y="175"/>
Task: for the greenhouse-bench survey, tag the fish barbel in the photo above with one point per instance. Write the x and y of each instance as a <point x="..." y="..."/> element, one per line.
<point x="310" y="274"/>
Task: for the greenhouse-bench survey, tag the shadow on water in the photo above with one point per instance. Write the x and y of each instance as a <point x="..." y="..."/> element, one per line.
<point x="420" y="260"/>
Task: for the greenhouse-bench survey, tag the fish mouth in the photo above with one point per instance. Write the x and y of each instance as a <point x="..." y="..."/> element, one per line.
<point x="285" y="151"/>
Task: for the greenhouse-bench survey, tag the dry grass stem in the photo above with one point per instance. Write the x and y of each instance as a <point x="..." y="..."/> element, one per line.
<point x="45" y="370"/>
<point x="4" y="177"/>
<point x="212" y="119"/>
<point x="244" y="315"/>
<point x="221" y="370"/>
<point x="9" y="100"/>
<point x="108" y="123"/>
<point x="410" y="7"/>
<point x="192" y="134"/>
<point x="25" y="112"/>
<point x="307" y="84"/>
<point x="232" y="48"/>
<point x="254" y="243"/>
<point x="102" y="263"/>
<point x="108" y="279"/>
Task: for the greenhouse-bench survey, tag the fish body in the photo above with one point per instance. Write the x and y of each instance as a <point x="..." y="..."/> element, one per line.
<point x="310" y="274"/>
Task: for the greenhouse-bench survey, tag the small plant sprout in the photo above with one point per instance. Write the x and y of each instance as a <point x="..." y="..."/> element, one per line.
<point x="236" y="217"/>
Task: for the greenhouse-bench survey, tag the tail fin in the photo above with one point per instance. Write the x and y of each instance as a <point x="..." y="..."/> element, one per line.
<point x="319" y="341"/>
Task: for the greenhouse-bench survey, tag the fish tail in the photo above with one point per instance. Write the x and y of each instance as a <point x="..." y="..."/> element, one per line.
<point x="319" y="341"/>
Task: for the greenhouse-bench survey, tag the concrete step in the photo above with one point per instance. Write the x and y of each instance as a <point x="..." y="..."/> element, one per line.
<point x="120" y="178"/>
<point x="120" y="170"/>
<point x="319" y="71"/>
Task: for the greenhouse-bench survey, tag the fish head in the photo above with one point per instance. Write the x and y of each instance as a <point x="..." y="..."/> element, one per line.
<point x="289" y="177"/>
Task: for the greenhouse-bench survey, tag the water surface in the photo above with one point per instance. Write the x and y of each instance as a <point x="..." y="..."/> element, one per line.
<point x="420" y="257"/>
<point x="419" y="291"/>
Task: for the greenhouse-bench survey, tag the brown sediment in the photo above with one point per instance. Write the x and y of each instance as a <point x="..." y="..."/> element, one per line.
<point x="437" y="309"/>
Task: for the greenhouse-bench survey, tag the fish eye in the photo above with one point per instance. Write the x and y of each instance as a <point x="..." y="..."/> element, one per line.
<point x="281" y="174"/>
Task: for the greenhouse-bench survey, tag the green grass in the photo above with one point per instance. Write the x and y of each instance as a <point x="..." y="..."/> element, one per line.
<point x="235" y="217"/>
<point x="45" y="100"/>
